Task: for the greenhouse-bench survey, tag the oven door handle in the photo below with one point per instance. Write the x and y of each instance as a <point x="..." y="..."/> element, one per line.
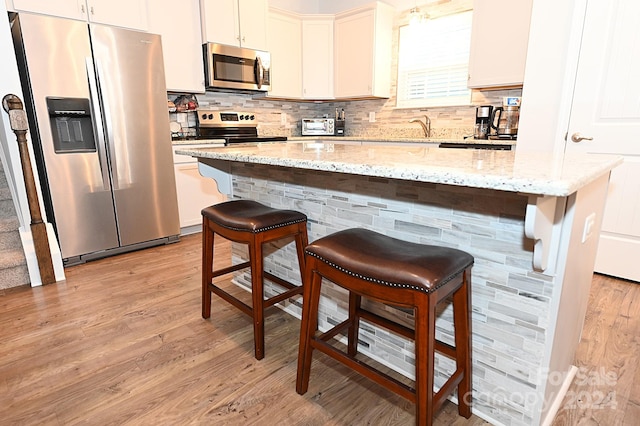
<point x="258" y="72"/>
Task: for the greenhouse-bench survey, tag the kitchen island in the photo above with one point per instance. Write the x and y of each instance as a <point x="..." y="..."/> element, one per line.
<point x="530" y="220"/>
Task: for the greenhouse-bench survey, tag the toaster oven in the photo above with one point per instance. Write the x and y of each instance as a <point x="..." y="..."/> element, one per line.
<point x="318" y="126"/>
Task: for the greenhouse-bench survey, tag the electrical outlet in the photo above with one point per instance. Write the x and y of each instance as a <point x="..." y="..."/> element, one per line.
<point x="589" y="223"/>
<point x="372" y="117"/>
<point x="283" y="118"/>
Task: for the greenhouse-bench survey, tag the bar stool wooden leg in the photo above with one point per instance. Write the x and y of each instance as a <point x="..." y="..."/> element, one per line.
<point x="425" y="327"/>
<point x="309" y="325"/>
<point x="302" y="240"/>
<point x="354" y="323"/>
<point x="462" y="324"/>
<point x="207" y="267"/>
<point x="257" y="295"/>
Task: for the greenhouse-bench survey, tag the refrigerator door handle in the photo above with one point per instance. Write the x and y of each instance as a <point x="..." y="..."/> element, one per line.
<point x="97" y="124"/>
<point x="108" y="127"/>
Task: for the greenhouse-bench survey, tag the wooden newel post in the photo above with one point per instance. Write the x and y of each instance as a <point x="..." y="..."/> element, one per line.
<point x="18" y="121"/>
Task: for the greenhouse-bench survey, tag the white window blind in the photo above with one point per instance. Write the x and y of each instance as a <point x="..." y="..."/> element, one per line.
<point x="433" y="62"/>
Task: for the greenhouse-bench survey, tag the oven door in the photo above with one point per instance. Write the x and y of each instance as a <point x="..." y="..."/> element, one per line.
<point x="236" y="68"/>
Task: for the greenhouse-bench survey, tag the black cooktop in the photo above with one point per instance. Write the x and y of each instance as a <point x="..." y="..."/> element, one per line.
<point x="253" y="139"/>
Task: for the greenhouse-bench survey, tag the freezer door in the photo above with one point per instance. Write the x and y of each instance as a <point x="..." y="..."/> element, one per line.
<point x="56" y="51"/>
<point x="130" y="74"/>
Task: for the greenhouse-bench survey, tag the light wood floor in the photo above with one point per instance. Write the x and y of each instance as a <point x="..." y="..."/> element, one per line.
<point x="122" y="341"/>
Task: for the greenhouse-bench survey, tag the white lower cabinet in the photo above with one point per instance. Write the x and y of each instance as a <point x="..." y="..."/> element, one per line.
<point x="195" y="192"/>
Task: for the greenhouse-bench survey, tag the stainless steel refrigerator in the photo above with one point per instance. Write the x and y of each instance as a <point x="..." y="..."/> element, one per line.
<point x="96" y="100"/>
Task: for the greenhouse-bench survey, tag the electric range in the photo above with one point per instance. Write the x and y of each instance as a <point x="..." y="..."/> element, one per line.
<point x="233" y="127"/>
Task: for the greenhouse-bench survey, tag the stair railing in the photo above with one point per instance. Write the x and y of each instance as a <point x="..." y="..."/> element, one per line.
<point x="18" y="121"/>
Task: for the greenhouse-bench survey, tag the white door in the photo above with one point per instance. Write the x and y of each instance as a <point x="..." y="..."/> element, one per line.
<point x="606" y="107"/>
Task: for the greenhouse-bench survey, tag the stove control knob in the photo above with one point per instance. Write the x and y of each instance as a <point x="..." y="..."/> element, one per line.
<point x="210" y="116"/>
<point x="204" y="116"/>
<point x="252" y="117"/>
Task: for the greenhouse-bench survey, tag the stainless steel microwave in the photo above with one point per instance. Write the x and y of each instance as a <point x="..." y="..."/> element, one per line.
<point x="236" y="68"/>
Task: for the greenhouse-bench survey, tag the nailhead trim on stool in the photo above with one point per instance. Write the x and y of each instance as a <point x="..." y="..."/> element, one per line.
<point x="398" y="273"/>
<point x="251" y="223"/>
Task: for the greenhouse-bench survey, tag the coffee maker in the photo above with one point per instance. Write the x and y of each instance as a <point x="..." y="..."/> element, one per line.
<point x="483" y="122"/>
<point x="505" y="121"/>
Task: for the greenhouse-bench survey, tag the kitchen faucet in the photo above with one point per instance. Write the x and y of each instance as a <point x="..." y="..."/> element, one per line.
<point x="426" y="127"/>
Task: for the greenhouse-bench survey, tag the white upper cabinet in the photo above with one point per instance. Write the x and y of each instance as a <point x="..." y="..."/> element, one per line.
<point x="179" y="25"/>
<point x="62" y="8"/>
<point x="235" y="22"/>
<point x="362" y="52"/>
<point x="284" y="37"/>
<point x="499" y="39"/>
<point x="122" y="13"/>
<point x="317" y="57"/>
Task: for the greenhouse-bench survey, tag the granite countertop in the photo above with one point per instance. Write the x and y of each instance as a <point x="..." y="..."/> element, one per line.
<point x="526" y="172"/>
<point x="338" y="139"/>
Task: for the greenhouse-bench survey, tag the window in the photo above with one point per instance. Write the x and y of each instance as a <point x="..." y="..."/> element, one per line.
<point x="433" y="62"/>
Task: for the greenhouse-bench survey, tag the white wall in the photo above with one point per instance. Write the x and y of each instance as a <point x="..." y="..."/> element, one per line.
<point x="552" y="55"/>
<point x="10" y="83"/>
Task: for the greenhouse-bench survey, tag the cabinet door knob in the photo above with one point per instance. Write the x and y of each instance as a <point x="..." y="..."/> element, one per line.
<point x="577" y="137"/>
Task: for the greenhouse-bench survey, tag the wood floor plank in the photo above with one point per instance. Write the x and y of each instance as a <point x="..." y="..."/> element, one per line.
<point x="607" y="357"/>
<point x="122" y="342"/>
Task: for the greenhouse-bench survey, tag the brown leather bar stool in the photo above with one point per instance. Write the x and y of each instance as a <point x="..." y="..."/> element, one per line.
<point x="396" y="273"/>
<point x="251" y="223"/>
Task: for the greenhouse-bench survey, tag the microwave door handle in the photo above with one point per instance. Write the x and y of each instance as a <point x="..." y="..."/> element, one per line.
<point x="258" y="71"/>
<point x="98" y="128"/>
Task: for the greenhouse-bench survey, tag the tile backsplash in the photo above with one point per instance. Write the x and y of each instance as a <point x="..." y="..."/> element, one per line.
<point x="390" y="122"/>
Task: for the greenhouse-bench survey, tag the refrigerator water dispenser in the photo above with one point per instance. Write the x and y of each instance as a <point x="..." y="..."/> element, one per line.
<point x="71" y="125"/>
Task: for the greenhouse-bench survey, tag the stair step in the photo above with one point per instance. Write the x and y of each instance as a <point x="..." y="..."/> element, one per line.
<point x="10" y="241"/>
<point x="7" y="209"/>
<point x="13" y="269"/>
<point x="3" y="178"/>
<point x="5" y="194"/>
<point x="9" y="224"/>
<point x="13" y="265"/>
<point x="11" y="258"/>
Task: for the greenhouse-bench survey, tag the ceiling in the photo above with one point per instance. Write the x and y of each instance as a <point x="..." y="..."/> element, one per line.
<point x="335" y="6"/>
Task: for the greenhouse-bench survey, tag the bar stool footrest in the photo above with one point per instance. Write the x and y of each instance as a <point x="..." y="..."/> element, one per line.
<point x="230" y="269"/>
<point x="366" y="370"/>
<point x="292" y="290"/>
<point x="407" y="332"/>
